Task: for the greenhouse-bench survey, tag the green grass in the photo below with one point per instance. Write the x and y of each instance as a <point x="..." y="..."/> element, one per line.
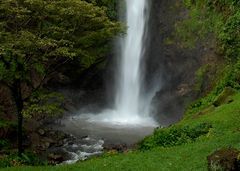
<point x="225" y="132"/>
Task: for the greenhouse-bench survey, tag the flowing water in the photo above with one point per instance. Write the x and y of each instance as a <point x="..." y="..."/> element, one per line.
<point x="128" y="94"/>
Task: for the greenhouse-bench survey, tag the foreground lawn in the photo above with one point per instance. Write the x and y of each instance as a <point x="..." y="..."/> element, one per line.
<point x="225" y="120"/>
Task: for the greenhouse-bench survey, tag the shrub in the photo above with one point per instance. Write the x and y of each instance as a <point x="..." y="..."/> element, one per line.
<point x="175" y="135"/>
<point x="3" y="143"/>
<point x="12" y="160"/>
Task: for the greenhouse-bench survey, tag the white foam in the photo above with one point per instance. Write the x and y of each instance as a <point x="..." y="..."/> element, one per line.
<point x="111" y="117"/>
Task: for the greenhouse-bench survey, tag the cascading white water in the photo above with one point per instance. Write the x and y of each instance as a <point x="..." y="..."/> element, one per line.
<point x="127" y="99"/>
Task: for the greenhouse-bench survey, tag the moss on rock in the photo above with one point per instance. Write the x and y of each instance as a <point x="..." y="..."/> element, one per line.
<point x="224" y="160"/>
<point x="224" y="97"/>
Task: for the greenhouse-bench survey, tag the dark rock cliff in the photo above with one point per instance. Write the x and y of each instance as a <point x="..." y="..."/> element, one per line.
<point x="168" y="64"/>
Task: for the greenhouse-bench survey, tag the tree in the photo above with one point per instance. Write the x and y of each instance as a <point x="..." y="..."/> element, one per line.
<point x="39" y="36"/>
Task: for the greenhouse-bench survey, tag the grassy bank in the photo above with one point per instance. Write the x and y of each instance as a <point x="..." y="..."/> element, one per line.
<point x="192" y="155"/>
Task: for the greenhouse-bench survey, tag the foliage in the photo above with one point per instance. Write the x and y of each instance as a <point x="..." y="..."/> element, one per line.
<point x="109" y="5"/>
<point x="39" y="36"/>
<point x="3" y="123"/>
<point x="10" y="124"/>
<point x="229" y="77"/>
<point x="199" y="76"/>
<point x="192" y="30"/>
<point x="229" y="37"/>
<point x="175" y="135"/>
<point x="5" y="128"/>
<point x="43" y="104"/>
<point x="220" y="18"/>
<point x="12" y="160"/>
<point x="3" y="143"/>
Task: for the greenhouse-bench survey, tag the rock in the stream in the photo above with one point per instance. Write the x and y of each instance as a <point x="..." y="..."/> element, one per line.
<point x="55" y="158"/>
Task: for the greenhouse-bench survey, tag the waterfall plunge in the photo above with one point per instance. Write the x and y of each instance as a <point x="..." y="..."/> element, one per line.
<point x="131" y="108"/>
<point x="128" y="94"/>
<point x="129" y="83"/>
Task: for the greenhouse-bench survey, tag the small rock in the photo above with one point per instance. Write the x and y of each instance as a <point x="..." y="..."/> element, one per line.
<point x="116" y="147"/>
<point x="55" y="158"/>
<point x="47" y="145"/>
<point x="183" y="89"/>
<point x="41" y="131"/>
<point x="85" y="137"/>
<point x="59" y="143"/>
<point x="46" y="139"/>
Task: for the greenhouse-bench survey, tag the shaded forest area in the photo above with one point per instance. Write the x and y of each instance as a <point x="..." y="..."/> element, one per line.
<point x="38" y="40"/>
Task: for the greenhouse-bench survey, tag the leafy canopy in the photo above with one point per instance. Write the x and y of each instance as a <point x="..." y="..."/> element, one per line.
<point x="37" y="35"/>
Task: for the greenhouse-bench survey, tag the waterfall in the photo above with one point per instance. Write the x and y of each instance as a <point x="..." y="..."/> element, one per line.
<point x="131" y="107"/>
<point x="128" y="121"/>
<point x="128" y="90"/>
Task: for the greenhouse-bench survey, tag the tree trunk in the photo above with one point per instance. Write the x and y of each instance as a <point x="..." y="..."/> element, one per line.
<point x="17" y="95"/>
<point x="20" y="137"/>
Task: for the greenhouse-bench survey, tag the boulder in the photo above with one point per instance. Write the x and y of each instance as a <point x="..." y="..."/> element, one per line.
<point x="224" y="97"/>
<point x="224" y="159"/>
<point x="41" y="131"/>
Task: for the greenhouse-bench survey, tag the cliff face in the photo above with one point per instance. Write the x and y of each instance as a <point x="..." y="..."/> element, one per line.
<point x="169" y="65"/>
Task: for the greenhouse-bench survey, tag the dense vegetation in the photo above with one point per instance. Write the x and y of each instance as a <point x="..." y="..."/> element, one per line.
<point x="37" y="37"/>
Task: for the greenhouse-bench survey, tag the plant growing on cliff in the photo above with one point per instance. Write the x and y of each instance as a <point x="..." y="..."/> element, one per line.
<point x="221" y="18"/>
<point x="37" y="37"/>
<point x="218" y="20"/>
